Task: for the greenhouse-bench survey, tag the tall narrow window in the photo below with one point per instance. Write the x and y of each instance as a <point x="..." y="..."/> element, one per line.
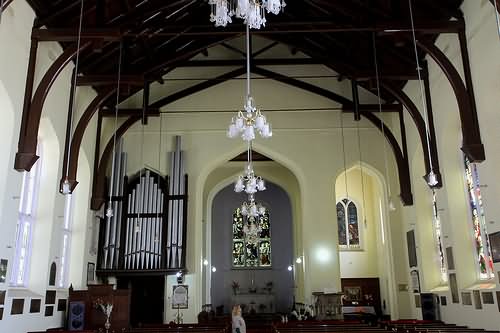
<point x="25" y="223"/>
<point x="438" y="239"/>
<point x="251" y="241"/>
<point x="348" y="225"/>
<point x="66" y="241"/>
<point x="481" y="241"/>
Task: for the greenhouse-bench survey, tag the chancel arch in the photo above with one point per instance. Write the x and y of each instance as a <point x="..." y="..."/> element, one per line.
<point x="364" y="186"/>
<point x="276" y="277"/>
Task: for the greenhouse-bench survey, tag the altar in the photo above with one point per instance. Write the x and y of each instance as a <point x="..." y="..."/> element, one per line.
<point x="255" y="302"/>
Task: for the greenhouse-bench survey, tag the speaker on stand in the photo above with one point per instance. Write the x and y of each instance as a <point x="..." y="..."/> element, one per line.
<point x="430" y="306"/>
<point x="76" y="316"/>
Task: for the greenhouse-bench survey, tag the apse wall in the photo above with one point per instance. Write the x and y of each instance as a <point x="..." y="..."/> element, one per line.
<point x="452" y="200"/>
<point x="282" y="251"/>
<point x="15" y="31"/>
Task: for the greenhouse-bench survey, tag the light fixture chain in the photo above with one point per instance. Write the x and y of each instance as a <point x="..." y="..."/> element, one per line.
<point x="113" y="163"/>
<point x="343" y="154"/>
<point x="361" y="172"/>
<point x="421" y="86"/>
<point x="248" y="59"/>
<point x="377" y="76"/>
<point x="75" y="75"/>
<point x="497" y="16"/>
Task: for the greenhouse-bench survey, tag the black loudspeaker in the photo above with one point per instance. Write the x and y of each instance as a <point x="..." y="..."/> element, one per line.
<point x="76" y="316"/>
<point x="430" y="307"/>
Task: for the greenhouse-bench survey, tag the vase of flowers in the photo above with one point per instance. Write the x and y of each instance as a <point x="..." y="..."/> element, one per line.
<point x="106" y="309"/>
<point x="269" y="287"/>
<point x="236" y="287"/>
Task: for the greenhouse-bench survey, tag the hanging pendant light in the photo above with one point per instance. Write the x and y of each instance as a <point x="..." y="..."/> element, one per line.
<point x="253" y="12"/>
<point x="245" y="124"/>
<point x="66" y="185"/>
<point x="431" y="178"/>
<point x="392" y="206"/>
<point x="110" y="211"/>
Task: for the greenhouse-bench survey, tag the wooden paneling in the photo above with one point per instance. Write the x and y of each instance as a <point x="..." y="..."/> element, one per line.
<point x="370" y="291"/>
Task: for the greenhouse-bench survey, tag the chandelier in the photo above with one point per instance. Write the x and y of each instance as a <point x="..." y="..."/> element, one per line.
<point x="245" y="124"/>
<point x="253" y="12"/>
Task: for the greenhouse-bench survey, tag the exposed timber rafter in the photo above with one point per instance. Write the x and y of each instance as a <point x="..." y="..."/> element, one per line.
<point x="419" y="122"/>
<point x="423" y="27"/>
<point x="401" y="162"/>
<point x="471" y="137"/>
<point x="32" y="111"/>
<point x="99" y="188"/>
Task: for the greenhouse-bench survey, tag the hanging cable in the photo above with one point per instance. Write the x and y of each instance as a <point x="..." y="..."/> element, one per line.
<point x="66" y="186"/>
<point x="248" y="60"/>
<point x="361" y="172"/>
<point x="431" y="177"/>
<point x="377" y="76"/>
<point x="343" y="153"/>
<point x="1" y="10"/>
<point x="142" y="186"/>
<point x="497" y="16"/>
<point x="109" y="212"/>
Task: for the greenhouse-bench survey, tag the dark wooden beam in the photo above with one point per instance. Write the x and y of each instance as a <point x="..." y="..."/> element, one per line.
<point x="127" y="112"/>
<point x="197" y="88"/>
<point x="401" y="162"/>
<point x="99" y="189"/>
<point x="471" y="137"/>
<point x="497" y="5"/>
<point x="77" y="137"/>
<point x="423" y="27"/>
<point x="427" y="140"/>
<point x="28" y="136"/>
<point x="103" y="80"/>
<point x="302" y="85"/>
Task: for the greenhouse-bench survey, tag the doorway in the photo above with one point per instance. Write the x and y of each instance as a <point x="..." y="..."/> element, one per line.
<point x="147" y="299"/>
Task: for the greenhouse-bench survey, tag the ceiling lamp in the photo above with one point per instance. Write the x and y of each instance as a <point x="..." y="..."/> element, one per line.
<point x="253" y="12"/>
<point x="245" y="124"/>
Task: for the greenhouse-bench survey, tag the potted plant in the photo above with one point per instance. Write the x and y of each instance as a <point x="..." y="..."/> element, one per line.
<point x="236" y="286"/>
<point x="269" y="286"/>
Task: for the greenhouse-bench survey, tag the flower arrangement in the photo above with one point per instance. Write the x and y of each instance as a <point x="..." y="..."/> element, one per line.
<point x="269" y="286"/>
<point x="236" y="286"/>
<point x="106" y="309"/>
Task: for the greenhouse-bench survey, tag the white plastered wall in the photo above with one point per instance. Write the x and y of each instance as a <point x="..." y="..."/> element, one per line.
<point x="484" y="51"/>
<point x="15" y="31"/>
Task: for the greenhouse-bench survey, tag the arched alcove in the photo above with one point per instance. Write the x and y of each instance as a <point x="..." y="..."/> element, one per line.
<point x="365" y="187"/>
<point x="278" y="203"/>
<point x="52" y="274"/>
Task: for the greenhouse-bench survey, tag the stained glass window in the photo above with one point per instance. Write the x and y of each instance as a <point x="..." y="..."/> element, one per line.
<point x="481" y="241"/>
<point x="438" y="238"/>
<point x="251" y="241"/>
<point x="348" y="225"/>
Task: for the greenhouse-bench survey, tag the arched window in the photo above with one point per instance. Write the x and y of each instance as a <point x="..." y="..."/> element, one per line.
<point x="348" y="225"/>
<point x="25" y="223"/>
<point x="438" y="238"/>
<point x="52" y="274"/>
<point x="251" y="241"/>
<point x="66" y="241"/>
<point x="480" y="234"/>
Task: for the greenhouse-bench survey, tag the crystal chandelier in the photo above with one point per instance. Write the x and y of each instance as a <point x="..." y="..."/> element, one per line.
<point x="245" y="124"/>
<point x="253" y="12"/>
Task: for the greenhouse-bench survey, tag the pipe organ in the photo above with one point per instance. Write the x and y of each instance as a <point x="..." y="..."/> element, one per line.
<point x="147" y="232"/>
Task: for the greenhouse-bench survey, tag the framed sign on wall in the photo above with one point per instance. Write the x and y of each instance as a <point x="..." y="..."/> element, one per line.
<point x="180" y="296"/>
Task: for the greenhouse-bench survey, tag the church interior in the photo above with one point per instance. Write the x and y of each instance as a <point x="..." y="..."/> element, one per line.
<point x="326" y="165"/>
